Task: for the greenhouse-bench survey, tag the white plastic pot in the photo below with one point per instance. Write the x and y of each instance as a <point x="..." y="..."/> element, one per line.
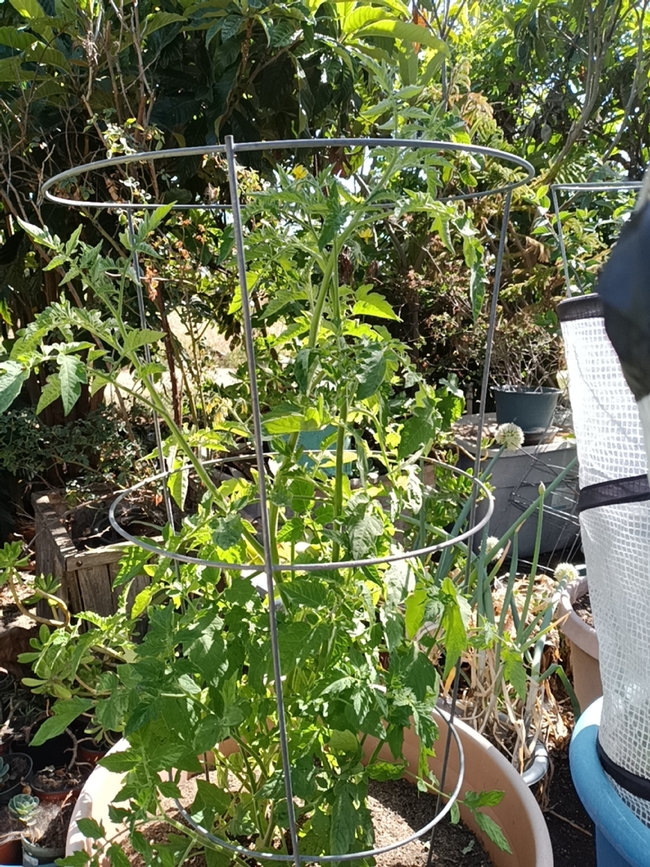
<point x="518" y="814"/>
<point x="584" y="644"/>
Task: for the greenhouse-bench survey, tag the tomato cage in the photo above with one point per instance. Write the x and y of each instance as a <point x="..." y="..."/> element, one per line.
<point x="513" y="172"/>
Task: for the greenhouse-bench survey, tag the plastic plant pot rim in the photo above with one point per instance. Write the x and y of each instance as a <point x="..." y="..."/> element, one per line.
<point x="538" y="767"/>
<point x="572" y="625"/>
<point x="526" y="389"/>
<point x="613" y="819"/>
<point x="351" y="856"/>
<point x="297" y="567"/>
<point x="282" y="144"/>
<point x="6" y="794"/>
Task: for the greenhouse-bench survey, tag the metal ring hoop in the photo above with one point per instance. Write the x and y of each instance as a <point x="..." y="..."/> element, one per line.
<point x="588" y="187"/>
<point x="284" y="144"/>
<point x="350" y="856"/>
<point x="597" y="186"/>
<point x="298" y="567"/>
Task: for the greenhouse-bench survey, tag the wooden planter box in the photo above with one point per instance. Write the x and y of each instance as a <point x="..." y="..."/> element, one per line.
<point x="86" y="576"/>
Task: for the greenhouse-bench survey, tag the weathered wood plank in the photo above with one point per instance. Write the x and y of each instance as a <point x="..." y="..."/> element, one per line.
<point x="52" y="539"/>
<point x="96" y="556"/>
<point x="95" y="588"/>
<point x="87" y="575"/>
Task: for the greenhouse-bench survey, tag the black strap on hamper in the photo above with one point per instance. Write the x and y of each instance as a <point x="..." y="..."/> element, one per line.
<point x="633" y="489"/>
<point x="580" y="307"/>
<point x="632" y="783"/>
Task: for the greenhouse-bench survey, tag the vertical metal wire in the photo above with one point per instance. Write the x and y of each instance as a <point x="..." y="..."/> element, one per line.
<point x="147" y="356"/>
<point x="265" y="528"/>
<point x="487" y="361"/>
<point x="644" y="192"/>
<point x="498" y="268"/>
<point x="560" y="237"/>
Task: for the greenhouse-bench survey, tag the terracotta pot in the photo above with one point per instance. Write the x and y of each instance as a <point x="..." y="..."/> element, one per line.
<point x="47" y="796"/>
<point x="90" y="755"/>
<point x="518" y="814"/>
<point x="583" y="642"/>
<point x="11" y="849"/>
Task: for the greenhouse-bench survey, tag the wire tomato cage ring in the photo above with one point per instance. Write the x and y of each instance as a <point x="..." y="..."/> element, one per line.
<point x="230" y="149"/>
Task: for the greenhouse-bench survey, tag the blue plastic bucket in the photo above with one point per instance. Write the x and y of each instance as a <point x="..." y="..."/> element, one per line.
<point x="313" y="440"/>
<point x="622" y="840"/>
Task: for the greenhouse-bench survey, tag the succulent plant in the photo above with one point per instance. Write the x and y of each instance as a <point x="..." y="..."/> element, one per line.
<point x="4" y="771"/>
<point x="23" y="808"/>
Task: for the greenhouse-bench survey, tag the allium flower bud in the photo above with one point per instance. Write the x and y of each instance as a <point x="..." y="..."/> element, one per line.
<point x="491" y="547"/>
<point x="566" y="572"/>
<point x="510" y="435"/>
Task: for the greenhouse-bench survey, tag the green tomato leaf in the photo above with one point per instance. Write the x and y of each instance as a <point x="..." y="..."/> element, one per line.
<point x="493" y="831"/>
<point x="286" y="418"/>
<point x="386" y="771"/>
<point x="302" y="495"/>
<point x="343" y="825"/>
<point x="364" y="534"/>
<point x="141" y="602"/>
<point x="455" y="638"/>
<point x="418" y="431"/>
<point x="169" y="789"/>
<point x="12" y="376"/>
<point x="477" y="280"/>
<point x="227" y="532"/>
<point x="117" y="856"/>
<point x="376" y="305"/>
<point x="41" y="236"/>
<point x="120" y="763"/>
<point x="178" y="483"/>
<point x="51" y="391"/>
<point x="370" y="373"/>
<point x="515" y="673"/>
<point x="344" y="742"/>
<point x="65" y="712"/>
<point x="474" y="800"/>
<point x="305" y="592"/>
<point x="335" y="219"/>
<point x="292" y="531"/>
<point x="416" y="606"/>
<point x="136" y="339"/>
<point x="420" y="674"/>
<point x="305" y="364"/>
<point x="91" y="828"/>
<point x="131" y="564"/>
<point x="212" y="796"/>
<point x="72" y="374"/>
<point x="77" y="859"/>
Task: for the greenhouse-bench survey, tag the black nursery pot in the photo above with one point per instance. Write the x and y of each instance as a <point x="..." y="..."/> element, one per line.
<point x="20" y="764"/>
<point x="530" y="408"/>
<point x="56" y="751"/>
<point x="34" y="855"/>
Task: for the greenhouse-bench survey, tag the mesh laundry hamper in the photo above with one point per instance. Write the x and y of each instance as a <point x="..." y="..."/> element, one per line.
<point x="615" y="525"/>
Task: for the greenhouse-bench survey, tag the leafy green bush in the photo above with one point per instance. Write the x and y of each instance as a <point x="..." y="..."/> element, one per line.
<point x="93" y="447"/>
